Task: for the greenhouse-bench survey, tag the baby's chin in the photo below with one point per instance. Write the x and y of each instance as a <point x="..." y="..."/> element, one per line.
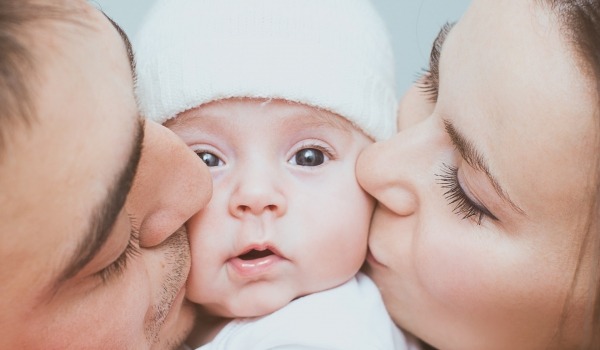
<point x="254" y="299"/>
<point x="248" y="307"/>
<point x="256" y="308"/>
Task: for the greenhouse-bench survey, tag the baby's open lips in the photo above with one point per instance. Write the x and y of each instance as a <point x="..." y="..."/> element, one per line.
<point x="255" y="261"/>
<point x="256" y="254"/>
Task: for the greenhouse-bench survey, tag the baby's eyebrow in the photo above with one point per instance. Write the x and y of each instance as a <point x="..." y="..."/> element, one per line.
<point x="474" y="158"/>
<point x="318" y="118"/>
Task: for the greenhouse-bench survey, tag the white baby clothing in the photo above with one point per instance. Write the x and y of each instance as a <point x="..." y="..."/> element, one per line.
<point x="349" y="317"/>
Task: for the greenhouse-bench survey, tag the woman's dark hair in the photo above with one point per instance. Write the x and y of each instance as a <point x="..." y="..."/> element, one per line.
<point x="580" y="25"/>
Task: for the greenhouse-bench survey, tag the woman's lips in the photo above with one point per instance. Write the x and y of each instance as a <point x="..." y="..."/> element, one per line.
<point x="371" y="260"/>
<point x="255" y="261"/>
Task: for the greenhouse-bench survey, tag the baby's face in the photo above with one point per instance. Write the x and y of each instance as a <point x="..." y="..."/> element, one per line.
<point x="287" y="217"/>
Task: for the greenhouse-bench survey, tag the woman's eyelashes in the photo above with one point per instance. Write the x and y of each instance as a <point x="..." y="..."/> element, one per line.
<point x="429" y="81"/>
<point x="456" y="196"/>
<point x="428" y="86"/>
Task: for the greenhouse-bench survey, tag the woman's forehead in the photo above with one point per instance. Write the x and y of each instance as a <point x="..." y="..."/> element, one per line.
<point x="511" y="84"/>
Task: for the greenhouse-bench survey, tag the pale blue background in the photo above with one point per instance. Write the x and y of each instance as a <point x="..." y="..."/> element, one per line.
<point x="413" y="25"/>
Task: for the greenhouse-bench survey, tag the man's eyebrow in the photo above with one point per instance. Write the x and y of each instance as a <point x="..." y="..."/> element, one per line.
<point x="105" y="214"/>
<point x="474" y="158"/>
<point x="128" y="46"/>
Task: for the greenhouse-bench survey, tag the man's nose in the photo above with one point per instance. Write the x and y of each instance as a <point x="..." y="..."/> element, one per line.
<point x="171" y="185"/>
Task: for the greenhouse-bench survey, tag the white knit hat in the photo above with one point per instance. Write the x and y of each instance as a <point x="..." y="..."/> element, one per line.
<point x="331" y="54"/>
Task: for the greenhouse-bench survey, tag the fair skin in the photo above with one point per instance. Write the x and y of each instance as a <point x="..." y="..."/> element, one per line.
<point x="512" y="89"/>
<point x="64" y="283"/>
<point x="278" y="226"/>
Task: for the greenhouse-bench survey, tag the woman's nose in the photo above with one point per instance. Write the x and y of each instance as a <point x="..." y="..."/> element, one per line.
<point x="412" y="109"/>
<point x="399" y="170"/>
<point x="257" y="191"/>
<point x="170" y="186"/>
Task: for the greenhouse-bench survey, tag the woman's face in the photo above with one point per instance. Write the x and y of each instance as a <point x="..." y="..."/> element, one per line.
<point x="484" y="198"/>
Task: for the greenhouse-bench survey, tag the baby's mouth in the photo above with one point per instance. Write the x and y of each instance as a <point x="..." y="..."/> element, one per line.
<point x="256" y="261"/>
<point x="255" y="254"/>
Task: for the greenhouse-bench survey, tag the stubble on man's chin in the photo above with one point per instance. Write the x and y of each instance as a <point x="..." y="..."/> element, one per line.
<point x="178" y="341"/>
<point x="177" y="266"/>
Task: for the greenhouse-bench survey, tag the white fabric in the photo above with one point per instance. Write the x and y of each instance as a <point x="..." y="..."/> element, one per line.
<point x="331" y="54"/>
<point x="349" y="317"/>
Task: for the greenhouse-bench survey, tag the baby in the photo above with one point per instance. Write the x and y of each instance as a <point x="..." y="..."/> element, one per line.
<point x="278" y="98"/>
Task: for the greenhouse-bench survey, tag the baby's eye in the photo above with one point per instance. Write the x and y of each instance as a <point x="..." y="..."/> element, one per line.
<point x="308" y="157"/>
<point x="209" y="159"/>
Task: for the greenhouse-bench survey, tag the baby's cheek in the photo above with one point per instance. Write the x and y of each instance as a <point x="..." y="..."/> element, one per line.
<point x="203" y="261"/>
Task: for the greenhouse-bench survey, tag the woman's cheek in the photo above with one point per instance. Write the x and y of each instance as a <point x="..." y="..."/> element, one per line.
<point x="487" y="285"/>
<point x="456" y="270"/>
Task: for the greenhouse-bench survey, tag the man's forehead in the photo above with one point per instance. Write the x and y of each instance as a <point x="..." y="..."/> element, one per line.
<point x="126" y="42"/>
<point x="81" y="145"/>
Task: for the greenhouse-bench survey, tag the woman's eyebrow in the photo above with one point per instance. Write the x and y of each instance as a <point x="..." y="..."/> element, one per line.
<point x="474" y="158"/>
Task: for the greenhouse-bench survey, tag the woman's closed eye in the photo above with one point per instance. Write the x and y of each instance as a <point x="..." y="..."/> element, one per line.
<point x="456" y="196"/>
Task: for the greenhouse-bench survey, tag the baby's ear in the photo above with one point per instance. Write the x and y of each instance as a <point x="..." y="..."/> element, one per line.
<point x="415" y="106"/>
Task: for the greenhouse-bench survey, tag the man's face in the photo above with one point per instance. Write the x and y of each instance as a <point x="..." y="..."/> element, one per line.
<point x="80" y="268"/>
